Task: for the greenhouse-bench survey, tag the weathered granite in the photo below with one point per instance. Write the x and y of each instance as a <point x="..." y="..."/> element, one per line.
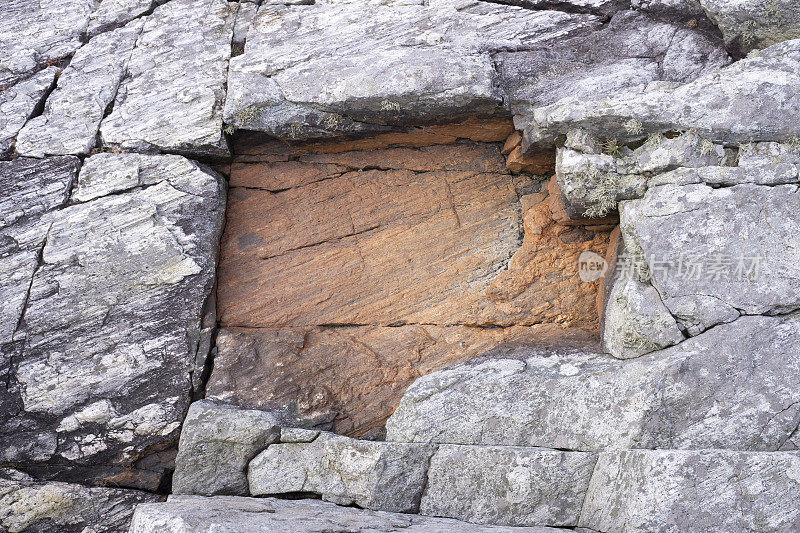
<point x="310" y="71"/>
<point x="754" y="99"/>
<point x="751" y="25"/>
<point x="734" y="386"/>
<point x="19" y="102"/>
<point x="111" y="14"/>
<point x="507" y="485"/>
<point x="693" y="491"/>
<point x="72" y="113"/>
<point x="731" y="247"/>
<point x="111" y="326"/>
<point x="217" y="442"/>
<point x="171" y="98"/>
<point x="33" y="35"/>
<point x="383" y="476"/>
<point x="27" y="505"/>
<point x="231" y="514"/>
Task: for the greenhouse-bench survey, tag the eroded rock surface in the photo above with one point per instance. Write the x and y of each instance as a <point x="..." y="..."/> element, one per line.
<point x="110" y="327"/>
<point x="19" y="102"/>
<point x="731" y="387"/>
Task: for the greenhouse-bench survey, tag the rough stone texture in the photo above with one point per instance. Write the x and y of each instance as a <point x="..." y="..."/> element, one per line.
<point x="171" y="98"/>
<point x="411" y="248"/>
<point x="111" y="14"/>
<point x="733" y="387"/>
<point x="708" y="491"/>
<point x="85" y="89"/>
<point x="27" y="505"/>
<point x="751" y="100"/>
<point x="350" y="379"/>
<point x="19" y="102"/>
<point x="32" y="35"/>
<point x="507" y="485"/>
<point x="314" y="70"/>
<point x="217" y="442"/>
<point x="230" y="514"/>
<point x="630" y="51"/>
<point x="749" y="25"/>
<point x="100" y="377"/>
<point x="745" y="254"/>
<point x="383" y="476"/>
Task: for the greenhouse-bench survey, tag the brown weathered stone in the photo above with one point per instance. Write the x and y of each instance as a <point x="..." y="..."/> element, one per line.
<point x="347" y="274"/>
<point x="513" y="140"/>
<point x="350" y="378"/>
<point x="538" y="163"/>
<point x="606" y="282"/>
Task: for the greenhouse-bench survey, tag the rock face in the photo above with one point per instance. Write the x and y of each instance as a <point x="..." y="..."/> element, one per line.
<point x="217" y="442"/>
<point x="312" y="70"/>
<point x="383" y="476"/>
<point x="418" y="252"/>
<point x="725" y="106"/>
<point x="171" y="98"/>
<point x="99" y="375"/>
<point x="194" y="514"/>
<point x="19" y="102"/>
<point x="718" y="491"/>
<point x="85" y="89"/>
<point x="26" y="505"/>
<point x="507" y="485"/>
<point x="691" y="396"/>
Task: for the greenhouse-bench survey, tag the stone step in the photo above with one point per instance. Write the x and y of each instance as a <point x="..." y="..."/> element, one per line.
<point x="735" y="386"/>
<point x="233" y="514"/>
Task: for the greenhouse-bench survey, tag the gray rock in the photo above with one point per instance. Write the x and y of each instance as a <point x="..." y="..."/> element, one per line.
<point x="171" y="99"/>
<point x="750" y="25"/>
<point x="19" y="102"/>
<point x="317" y="70"/>
<point x="231" y="514"/>
<point x="217" y="442"/>
<point x="751" y="100"/>
<point x="732" y="387"/>
<point x="736" y="245"/>
<point x="111" y="323"/>
<point x="374" y="475"/>
<point x="26" y="505"/>
<point x="35" y="34"/>
<point x="245" y="14"/>
<point x="507" y="485"/>
<point x="630" y="51"/>
<point x="693" y="491"/>
<point x="112" y="14"/>
<point x="73" y="112"/>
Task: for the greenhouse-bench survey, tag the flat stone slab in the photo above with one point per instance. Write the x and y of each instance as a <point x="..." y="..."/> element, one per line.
<point x="733" y="387"/>
<point x="507" y="485"/>
<point x="384" y="476"/>
<point x="693" y="491"/>
<point x="230" y="514"/>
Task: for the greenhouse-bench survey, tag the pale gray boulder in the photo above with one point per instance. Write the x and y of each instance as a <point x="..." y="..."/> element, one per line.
<point x="28" y="505"/>
<point x="72" y="113"/>
<point x="693" y="491"/>
<point x="737" y="245"/>
<point x="383" y="476"/>
<point x="232" y="514"/>
<point x="171" y="99"/>
<point x="35" y="34"/>
<point x="735" y="386"/>
<point x="507" y="485"/>
<point x="111" y="325"/>
<point x="751" y="25"/>
<point x="19" y="102"/>
<point x="111" y="14"/>
<point x="754" y="99"/>
<point x="325" y="69"/>
<point x="217" y="442"/>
